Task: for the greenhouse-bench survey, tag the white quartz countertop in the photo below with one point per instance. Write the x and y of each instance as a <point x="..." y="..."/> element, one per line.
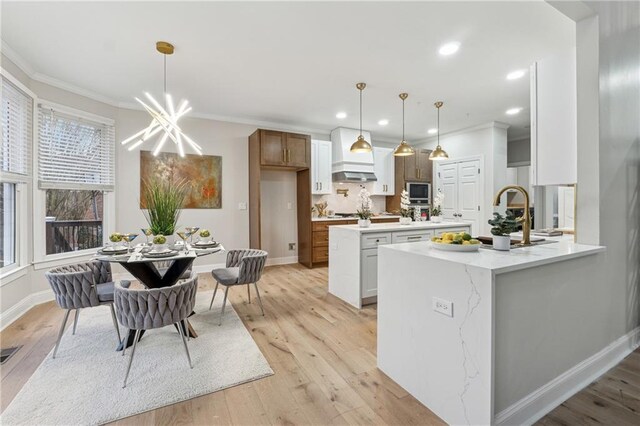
<point x="328" y="219"/>
<point x="503" y="261"/>
<point x="390" y="227"/>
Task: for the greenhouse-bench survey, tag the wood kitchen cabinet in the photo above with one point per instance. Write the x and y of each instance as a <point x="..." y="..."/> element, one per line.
<point x="281" y="149"/>
<point x="413" y="168"/>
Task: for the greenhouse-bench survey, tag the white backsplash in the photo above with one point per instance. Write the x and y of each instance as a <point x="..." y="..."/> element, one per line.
<point x="341" y="204"/>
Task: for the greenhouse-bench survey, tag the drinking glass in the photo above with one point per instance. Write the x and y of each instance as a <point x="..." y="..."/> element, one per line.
<point x="128" y="238"/>
<point x="148" y="233"/>
<point x="184" y="236"/>
<point x="191" y="230"/>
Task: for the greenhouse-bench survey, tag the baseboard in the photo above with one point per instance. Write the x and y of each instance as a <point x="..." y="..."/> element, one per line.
<point x="540" y="402"/>
<point x="281" y="260"/>
<point x="16" y="311"/>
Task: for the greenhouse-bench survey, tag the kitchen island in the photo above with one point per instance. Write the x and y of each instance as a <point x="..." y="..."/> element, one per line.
<point x="488" y="337"/>
<point x="353" y="254"/>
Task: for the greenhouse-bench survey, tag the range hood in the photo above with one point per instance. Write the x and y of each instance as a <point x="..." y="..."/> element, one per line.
<point x="350" y="166"/>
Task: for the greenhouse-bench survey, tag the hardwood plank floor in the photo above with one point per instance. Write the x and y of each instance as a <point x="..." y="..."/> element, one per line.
<point x="323" y="353"/>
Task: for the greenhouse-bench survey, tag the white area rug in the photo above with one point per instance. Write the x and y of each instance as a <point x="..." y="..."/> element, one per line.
<point x="83" y="385"/>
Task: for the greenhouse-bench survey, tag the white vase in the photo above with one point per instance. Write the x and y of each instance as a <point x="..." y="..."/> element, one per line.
<point x="364" y="223"/>
<point x="405" y="221"/>
<point x="502" y="242"/>
<point x="436" y="219"/>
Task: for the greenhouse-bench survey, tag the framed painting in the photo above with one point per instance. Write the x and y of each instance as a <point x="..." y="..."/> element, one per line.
<point x="201" y="173"/>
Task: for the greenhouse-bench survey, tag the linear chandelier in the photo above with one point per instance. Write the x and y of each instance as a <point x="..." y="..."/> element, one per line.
<point x="163" y="119"/>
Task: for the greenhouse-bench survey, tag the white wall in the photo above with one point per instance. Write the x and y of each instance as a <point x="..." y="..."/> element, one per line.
<point x="278" y="215"/>
<point x="519" y="151"/>
<point x="488" y="141"/>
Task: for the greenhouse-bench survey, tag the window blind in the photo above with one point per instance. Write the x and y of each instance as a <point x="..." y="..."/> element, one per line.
<point x="17" y="130"/>
<point x="74" y="152"/>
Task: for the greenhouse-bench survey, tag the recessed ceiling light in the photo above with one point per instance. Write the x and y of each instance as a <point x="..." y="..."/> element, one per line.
<point x="432" y="131"/>
<point x="449" y="48"/>
<point x="341" y="115"/>
<point x="383" y="122"/>
<point x="514" y="75"/>
<point x="513" y="111"/>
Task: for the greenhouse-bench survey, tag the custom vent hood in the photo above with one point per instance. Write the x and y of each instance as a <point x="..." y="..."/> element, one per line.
<point x="350" y="166"/>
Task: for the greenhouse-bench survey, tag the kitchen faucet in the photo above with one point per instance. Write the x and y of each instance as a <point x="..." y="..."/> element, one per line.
<point x="525" y="219"/>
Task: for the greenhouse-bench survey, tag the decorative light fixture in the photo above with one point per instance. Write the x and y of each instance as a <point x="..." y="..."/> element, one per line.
<point x="163" y="119"/>
<point x="361" y="145"/>
<point x="404" y="149"/>
<point x="438" y="153"/>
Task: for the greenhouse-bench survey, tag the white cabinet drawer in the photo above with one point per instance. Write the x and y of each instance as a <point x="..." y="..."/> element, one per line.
<point x="411" y="236"/>
<point x="375" y="240"/>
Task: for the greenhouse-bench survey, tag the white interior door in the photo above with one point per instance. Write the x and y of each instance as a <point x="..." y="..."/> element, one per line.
<point x="469" y="194"/>
<point x="447" y="175"/>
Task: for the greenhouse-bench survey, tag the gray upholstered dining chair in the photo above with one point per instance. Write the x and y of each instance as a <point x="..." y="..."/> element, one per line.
<point x="145" y="309"/>
<point x="80" y="286"/>
<point x="243" y="267"/>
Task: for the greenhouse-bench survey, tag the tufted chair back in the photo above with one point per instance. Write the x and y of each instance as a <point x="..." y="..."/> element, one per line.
<point x="251" y="263"/>
<point x="144" y="309"/>
<point x="74" y="286"/>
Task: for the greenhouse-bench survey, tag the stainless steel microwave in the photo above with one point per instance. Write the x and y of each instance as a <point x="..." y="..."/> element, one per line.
<point x="419" y="192"/>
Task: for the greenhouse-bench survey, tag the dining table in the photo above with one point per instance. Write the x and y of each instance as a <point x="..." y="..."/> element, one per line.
<point x="142" y="263"/>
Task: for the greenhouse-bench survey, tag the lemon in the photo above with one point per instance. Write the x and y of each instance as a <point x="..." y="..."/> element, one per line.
<point x="474" y="241"/>
<point x="466" y="236"/>
<point x="466" y="243"/>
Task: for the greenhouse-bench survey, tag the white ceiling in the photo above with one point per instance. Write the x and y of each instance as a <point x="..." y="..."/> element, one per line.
<point x="297" y="63"/>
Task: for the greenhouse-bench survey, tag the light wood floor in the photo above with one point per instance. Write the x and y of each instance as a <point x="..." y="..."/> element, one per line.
<point x="323" y="354"/>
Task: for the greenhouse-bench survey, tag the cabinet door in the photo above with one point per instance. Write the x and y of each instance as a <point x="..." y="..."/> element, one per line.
<point x="447" y="175"/>
<point x="272" y="148"/>
<point x="298" y="150"/>
<point x="324" y="167"/>
<point x="383" y="167"/>
<point x="390" y="173"/>
<point x="424" y="166"/>
<point x="369" y="275"/>
<point x="410" y="168"/>
<point x="315" y="184"/>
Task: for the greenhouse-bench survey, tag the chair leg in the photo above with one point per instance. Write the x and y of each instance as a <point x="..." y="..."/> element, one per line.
<point x="124" y="342"/>
<point x="133" y="352"/>
<point x="184" y="339"/>
<point x="214" y="295"/>
<point x="64" y="322"/>
<point x="249" y="292"/>
<point x="259" y="299"/>
<point x="75" y="321"/>
<point x="224" y="303"/>
<point x="115" y="322"/>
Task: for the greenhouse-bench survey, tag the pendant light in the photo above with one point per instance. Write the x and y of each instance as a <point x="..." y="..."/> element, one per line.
<point x="438" y="153"/>
<point x="163" y="119"/>
<point x="404" y="149"/>
<point x="361" y="145"/>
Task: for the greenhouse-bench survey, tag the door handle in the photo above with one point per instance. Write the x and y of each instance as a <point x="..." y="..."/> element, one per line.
<point x="284" y="155"/>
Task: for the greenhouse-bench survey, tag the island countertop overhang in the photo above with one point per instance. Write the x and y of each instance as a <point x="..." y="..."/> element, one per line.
<point x="500" y="262"/>
<point x="391" y="227"/>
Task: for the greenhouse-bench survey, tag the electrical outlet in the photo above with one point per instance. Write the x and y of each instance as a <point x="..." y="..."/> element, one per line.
<point x="292" y="246"/>
<point x="242" y="206"/>
<point x="289" y="206"/>
<point x="443" y="306"/>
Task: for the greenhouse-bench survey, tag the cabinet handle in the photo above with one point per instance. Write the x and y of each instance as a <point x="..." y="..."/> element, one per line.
<point x="320" y="186"/>
<point x="284" y="155"/>
<point x="414" y="237"/>
<point x="288" y="155"/>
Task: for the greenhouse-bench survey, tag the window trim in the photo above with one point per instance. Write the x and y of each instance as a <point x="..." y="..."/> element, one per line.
<point x="41" y="259"/>
<point x="23" y="186"/>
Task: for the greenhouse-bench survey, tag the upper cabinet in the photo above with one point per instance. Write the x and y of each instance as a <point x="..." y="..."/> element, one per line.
<point x="282" y="149"/>
<point x="418" y="167"/>
<point x="320" y="167"/>
<point x="383" y="167"/>
<point x="553" y="120"/>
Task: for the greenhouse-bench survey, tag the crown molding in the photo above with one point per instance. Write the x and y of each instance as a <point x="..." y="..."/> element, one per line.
<point x="488" y="125"/>
<point x="18" y="60"/>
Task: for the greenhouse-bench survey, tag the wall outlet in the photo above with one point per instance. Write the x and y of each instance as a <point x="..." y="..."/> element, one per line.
<point x="242" y="206"/>
<point x="443" y="306"/>
<point x="289" y="206"/>
<point x="292" y="246"/>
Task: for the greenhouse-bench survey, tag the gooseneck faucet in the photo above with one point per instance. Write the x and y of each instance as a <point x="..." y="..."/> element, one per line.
<point x="525" y="219"/>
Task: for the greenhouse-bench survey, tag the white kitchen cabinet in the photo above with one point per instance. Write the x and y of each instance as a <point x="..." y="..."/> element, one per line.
<point x="369" y="273"/>
<point x="320" y="167"/>
<point x="460" y="183"/>
<point x="384" y="169"/>
<point x="411" y="236"/>
<point x="554" y="147"/>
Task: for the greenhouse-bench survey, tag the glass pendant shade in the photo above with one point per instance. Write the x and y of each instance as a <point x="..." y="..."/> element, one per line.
<point x="361" y="145"/>
<point x="403" y="149"/>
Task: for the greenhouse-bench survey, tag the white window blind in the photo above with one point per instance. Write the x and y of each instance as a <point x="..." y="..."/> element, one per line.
<point x="17" y="130"/>
<point x="74" y="152"/>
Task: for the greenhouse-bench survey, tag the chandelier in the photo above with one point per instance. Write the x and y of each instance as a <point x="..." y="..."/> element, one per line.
<point x="164" y="119"/>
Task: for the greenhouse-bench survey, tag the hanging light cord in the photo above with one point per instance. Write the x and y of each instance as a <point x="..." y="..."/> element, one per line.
<point x="165" y="80"/>
<point x="360" y="112"/>
<point x="403" y="120"/>
<point x="438" y="126"/>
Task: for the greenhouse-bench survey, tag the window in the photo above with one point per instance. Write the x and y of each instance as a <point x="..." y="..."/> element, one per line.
<point x="75" y="171"/>
<point x="16" y="109"/>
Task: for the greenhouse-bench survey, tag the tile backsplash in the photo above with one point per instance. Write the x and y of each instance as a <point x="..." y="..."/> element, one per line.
<point x="349" y="204"/>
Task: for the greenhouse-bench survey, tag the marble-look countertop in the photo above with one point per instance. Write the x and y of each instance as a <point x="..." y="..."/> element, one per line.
<point x="390" y="227"/>
<point x="503" y="261"/>
<point x="328" y="219"/>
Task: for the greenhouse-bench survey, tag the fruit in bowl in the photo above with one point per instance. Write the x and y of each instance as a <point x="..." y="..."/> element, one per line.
<point x="116" y="237"/>
<point x="460" y="238"/>
<point x="159" y="240"/>
<point x="205" y="235"/>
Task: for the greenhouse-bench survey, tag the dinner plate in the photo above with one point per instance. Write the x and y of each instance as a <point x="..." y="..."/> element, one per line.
<point x="207" y="244"/>
<point x="456" y="247"/>
<point x="110" y="251"/>
<point x="158" y="254"/>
